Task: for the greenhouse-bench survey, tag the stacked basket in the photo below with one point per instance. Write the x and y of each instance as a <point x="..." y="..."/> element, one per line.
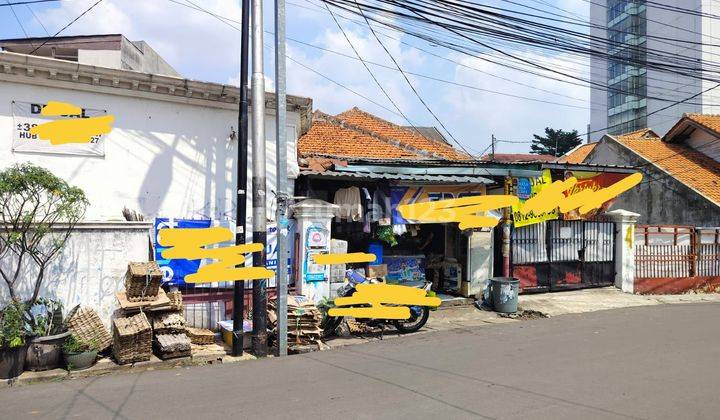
<point x="142" y="281"/>
<point x="86" y="326"/>
<point x="132" y="339"/>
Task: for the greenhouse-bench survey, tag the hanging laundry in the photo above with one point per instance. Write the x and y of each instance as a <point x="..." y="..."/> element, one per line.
<point x="380" y="208"/>
<point x="350" y="204"/>
<point x="399" y="230"/>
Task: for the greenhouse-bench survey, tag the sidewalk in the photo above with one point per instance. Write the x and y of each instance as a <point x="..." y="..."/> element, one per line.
<point x="457" y="315"/>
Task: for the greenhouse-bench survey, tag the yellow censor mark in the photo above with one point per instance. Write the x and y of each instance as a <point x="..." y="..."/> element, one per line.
<point x="190" y="244"/>
<point x="70" y="130"/>
<point x="465" y="210"/>
<point x="353" y="257"/>
<point x="377" y="296"/>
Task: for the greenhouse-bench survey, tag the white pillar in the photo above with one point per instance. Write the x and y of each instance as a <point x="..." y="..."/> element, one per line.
<point x="313" y="225"/>
<point x="624" y="248"/>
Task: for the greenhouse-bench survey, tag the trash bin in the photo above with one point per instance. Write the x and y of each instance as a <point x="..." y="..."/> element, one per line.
<point x="504" y="293"/>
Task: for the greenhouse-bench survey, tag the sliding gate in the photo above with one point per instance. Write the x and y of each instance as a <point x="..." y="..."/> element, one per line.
<point x="563" y="254"/>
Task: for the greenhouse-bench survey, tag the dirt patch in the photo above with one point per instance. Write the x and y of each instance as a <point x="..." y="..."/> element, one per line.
<point x="524" y="314"/>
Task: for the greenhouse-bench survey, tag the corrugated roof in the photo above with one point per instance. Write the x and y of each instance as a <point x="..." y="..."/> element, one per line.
<point x="687" y="165"/>
<point x="518" y="158"/>
<point x="449" y="179"/>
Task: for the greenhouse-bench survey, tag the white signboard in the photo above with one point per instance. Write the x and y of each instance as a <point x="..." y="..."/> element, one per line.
<point x="26" y="115"/>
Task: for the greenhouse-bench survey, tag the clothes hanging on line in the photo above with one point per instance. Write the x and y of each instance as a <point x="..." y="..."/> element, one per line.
<point x="350" y="204"/>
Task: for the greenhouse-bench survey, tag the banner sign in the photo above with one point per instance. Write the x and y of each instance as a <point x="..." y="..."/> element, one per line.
<point x="27" y="115"/>
<point x="526" y="188"/>
<point x="593" y="181"/>
<point x="426" y="193"/>
<point x="175" y="270"/>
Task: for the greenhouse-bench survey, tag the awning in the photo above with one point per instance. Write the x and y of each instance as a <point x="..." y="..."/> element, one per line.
<point x="434" y="178"/>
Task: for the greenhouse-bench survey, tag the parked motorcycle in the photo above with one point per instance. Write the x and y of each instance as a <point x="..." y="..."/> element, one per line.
<point x="418" y="314"/>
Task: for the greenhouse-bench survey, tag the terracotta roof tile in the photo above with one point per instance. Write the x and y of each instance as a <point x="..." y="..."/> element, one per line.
<point x="407" y="137"/>
<point x="326" y="138"/>
<point x="709" y="121"/>
<point x="689" y="166"/>
<point x="578" y="154"/>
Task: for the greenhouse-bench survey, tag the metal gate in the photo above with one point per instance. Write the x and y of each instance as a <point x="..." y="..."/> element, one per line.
<point x="563" y="254"/>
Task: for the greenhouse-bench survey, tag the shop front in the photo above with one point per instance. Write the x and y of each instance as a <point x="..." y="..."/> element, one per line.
<point x="356" y="211"/>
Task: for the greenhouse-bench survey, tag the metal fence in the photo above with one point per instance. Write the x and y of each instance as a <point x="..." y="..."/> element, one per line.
<point x="663" y="251"/>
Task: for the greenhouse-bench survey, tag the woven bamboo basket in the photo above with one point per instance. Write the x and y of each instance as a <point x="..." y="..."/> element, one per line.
<point x="142" y="281"/>
<point x="85" y="325"/>
<point x="200" y="336"/>
<point x="132" y="339"/>
<point x="175" y="300"/>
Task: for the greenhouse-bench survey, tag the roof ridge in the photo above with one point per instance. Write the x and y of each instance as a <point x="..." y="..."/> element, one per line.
<point x="401" y="128"/>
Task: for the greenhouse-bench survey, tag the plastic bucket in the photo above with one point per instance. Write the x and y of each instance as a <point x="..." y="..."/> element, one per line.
<point x="504" y="292"/>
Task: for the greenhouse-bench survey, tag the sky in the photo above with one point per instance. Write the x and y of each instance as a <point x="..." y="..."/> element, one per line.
<point x="474" y="99"/>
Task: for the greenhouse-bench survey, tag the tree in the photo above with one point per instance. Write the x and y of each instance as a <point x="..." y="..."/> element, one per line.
<point x="38" y="211"/>
<point x="555" y="142"/>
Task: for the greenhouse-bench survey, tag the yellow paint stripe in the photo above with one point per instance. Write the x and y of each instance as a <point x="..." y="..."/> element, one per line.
<point x="55" y="108"/>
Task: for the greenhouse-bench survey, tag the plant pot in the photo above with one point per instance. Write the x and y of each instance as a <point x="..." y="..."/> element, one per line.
<point x="45" y="353"/>
<point x="12" y="361"/>
<point x="80" y="361"/>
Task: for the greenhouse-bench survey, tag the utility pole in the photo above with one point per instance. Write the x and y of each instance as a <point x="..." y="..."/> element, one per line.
<point x="259" y="310"/>
<point x="281" y="277"/>
<point x="241" y="201"/>
<point x="492" y="153"/>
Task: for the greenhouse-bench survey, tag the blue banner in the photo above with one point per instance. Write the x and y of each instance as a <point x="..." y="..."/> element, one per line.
<point x="175" y="270"/>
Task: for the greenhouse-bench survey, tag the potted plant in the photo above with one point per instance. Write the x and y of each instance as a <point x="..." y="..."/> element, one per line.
<point x="79" y="354"/>
<point x="12" y="340"/>
<point x="48" y="335"/>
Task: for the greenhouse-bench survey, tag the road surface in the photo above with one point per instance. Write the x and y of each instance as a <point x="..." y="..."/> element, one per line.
<point x="647" y="362"/>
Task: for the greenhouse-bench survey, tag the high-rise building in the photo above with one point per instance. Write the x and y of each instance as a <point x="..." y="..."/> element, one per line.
<point x="629" y="90"/>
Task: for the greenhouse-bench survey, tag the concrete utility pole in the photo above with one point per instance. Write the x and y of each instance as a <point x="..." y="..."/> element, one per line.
<point x="492" y="153"/>
<point x="241" y="203"/>
<point x="259" y="310"/>
<point x="281" y="278"/>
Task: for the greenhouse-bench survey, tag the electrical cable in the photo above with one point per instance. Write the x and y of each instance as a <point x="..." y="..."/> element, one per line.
<point x="66" y="26"/>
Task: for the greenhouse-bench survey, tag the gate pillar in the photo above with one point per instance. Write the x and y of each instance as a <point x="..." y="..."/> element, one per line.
<point x="624" y="248"/>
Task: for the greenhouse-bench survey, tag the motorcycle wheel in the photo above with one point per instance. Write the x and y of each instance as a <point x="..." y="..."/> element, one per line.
<point x="414" y="323"/>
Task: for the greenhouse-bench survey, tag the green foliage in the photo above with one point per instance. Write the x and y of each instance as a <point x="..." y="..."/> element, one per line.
<point x="12" y="325"/>
<point x="45" y="317"/>
<point x="75" y="345"/>
<point x="555" y="142"/>
<point x="38" y="211"/>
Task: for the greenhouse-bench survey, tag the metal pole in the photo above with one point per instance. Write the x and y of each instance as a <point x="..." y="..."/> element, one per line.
<point x="259" y="310"/>
<point x="281" y="278"/>
<point x="241" y="202"/>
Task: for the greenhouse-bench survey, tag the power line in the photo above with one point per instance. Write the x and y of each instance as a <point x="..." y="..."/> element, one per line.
<point x="411" y="85"/>
<point x="12" y="9"/>
<point x="18" y="3"/>
<point x="66" y="26"/>
<point x="368" y="69"/>
<point x="37" y="19"/>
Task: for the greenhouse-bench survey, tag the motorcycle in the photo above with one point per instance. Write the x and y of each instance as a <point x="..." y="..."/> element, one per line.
<point x="418" y="314"/>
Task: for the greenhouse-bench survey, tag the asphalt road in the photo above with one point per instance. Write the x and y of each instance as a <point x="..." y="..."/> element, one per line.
<point x="647" y="362"/>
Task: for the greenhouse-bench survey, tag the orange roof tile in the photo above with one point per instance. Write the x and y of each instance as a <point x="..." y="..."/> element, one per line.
<point x="709" y="121"/>
<point x="328" y="138"/>
<point x="578" y="154"/>
<point x="689" y="166"/>
<point x="407" y="137"/>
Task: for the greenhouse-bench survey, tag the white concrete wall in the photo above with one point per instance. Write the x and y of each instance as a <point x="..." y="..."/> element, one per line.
<point x="91" y="267"/>
<point x="162" y="158"/>
<point x="102" y="58"/>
